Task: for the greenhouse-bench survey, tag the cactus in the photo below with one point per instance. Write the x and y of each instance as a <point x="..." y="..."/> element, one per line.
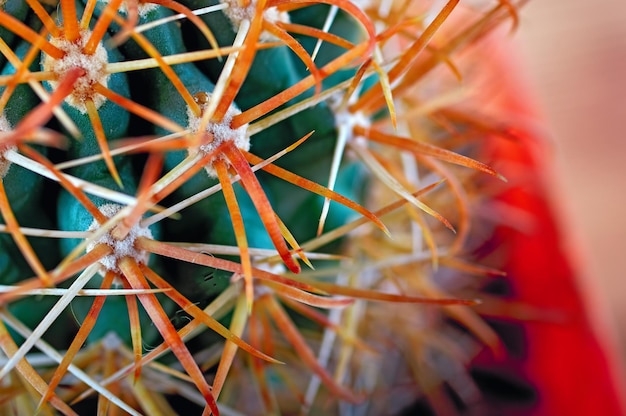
<point x="182" y="180"/>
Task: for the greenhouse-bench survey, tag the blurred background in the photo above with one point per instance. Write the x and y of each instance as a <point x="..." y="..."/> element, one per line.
<point x="575" y="56"/>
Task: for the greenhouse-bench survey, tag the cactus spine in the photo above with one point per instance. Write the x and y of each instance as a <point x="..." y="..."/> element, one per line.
<point x="182" y="180"/>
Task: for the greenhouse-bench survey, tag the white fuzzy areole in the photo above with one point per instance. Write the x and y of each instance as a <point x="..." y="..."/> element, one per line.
<point x="4" y="123"/>
<point x="94" y="66"/>
<point x="221" y="132"/>
<point x="5" y="126"/>
<point x="236" y="14"/>
<point x="348" y="121"/>
<point x="351" y="120"/>
<point x="121" y="248"/>
<point x="142" y="8"/>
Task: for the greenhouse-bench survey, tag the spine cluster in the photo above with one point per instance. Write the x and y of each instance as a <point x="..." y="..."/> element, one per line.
<point x="182" y="180"/>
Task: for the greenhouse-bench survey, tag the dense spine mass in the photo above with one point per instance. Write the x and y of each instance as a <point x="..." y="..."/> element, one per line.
<point x="182" y="180"/>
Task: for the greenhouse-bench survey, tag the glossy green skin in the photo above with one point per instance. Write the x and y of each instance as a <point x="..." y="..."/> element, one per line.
<point x="209" y="220"/>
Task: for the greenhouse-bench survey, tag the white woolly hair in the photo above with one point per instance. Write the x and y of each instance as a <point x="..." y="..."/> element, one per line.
<point x="221" y="132"/>
<point x="5" y="126"/>
<point x="121" y="248"/>
<point x="94" y="66"/>
<point x="236" y="14"/>
<point x="142" y="8"/>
